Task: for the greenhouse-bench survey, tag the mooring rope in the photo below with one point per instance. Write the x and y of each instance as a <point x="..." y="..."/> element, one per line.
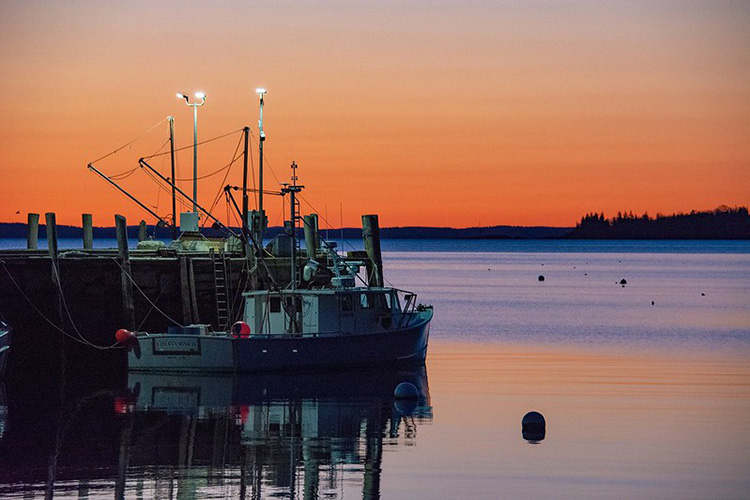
<point x="84" y="342"/>
<point x="144" y="293"/>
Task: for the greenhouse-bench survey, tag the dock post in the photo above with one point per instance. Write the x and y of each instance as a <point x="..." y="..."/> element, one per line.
<point x="51" y="235"/>
<point x="88" y="231"/>
<point x="142" y="231"/>
<point x="371" y="237"/>
<point x="56" y="281"/>
<point x="187" y="314"/>
<point x="125" y="273"/>
<point x="32" y="238"/>
<point x="311" y="235"/>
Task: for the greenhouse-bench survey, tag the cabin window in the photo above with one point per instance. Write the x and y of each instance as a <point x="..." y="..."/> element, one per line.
<point x="365" y="301"/>
<point x="346" y="303"/>
<point x="275" y="303"/>
<point x="381" y="302"/>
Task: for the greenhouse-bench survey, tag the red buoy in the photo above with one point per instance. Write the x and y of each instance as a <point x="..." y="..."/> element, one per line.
<point x="125" y="337"/>
<point x="241" y="329"/>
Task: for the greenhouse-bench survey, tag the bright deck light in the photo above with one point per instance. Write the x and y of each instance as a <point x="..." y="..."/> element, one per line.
<point x="260" y="90"/>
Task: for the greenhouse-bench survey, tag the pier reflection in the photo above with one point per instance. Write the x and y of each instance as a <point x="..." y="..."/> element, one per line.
<point x="311" y="435"/>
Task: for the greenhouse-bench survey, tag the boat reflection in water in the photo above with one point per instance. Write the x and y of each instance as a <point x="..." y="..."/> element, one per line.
<point x="290" y="435"/>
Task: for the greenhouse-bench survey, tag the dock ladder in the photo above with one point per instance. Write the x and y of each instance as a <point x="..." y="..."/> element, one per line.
<point x="220" y="287"/>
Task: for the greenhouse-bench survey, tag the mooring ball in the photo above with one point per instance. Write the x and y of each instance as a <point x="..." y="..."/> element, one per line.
<point x="623" y="281"/>
<point x="533" y="418"/>
<point x="541" y="278"/>
<point x="533" y="426"/>
<point x="406" y="390"/>
<point x="124" y="336"/>
<point x="241" y="329"/>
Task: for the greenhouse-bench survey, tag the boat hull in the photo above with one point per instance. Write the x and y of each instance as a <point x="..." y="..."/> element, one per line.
<point x="217" y="354"/>
<point x="4" y="347"/>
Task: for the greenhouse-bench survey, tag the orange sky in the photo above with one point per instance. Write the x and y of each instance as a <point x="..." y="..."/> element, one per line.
<point x="431" y="113"/>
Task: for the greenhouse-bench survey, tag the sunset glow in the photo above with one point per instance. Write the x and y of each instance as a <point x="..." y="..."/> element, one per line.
<point x="427" y="113"/>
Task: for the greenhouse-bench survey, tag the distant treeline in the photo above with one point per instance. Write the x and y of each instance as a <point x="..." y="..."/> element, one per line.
<point x="724" y="223"/>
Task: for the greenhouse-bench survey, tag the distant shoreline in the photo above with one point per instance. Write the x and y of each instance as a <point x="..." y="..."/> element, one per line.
<point x="724" y="223"/>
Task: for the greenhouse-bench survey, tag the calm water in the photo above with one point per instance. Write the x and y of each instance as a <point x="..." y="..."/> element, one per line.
<point x="645" y="389"/>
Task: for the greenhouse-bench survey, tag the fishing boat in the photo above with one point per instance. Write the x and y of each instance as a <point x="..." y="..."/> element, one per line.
<point x="317" y="315"/>
<point x="321" y="318"/>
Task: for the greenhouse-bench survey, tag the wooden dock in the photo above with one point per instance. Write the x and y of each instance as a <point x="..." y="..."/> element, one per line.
<point x="62" y="303"/>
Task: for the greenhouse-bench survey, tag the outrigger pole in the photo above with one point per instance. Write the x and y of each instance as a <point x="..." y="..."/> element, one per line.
<point x="91" y="167"/>
<point x="143" y="163"/>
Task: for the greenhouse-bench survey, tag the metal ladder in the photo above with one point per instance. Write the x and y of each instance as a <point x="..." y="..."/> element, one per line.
<point x="220" y="287"/>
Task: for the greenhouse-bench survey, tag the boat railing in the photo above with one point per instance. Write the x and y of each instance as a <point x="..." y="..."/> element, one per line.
<point x="410" y="306"/>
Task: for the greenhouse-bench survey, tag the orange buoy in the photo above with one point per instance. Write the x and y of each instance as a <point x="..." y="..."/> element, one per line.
<point x="241" y="329"/>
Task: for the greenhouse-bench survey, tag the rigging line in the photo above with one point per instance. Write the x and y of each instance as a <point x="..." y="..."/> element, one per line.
<point x="229" y="168"/>
<point x="145" y="317"/>
<point x="23" y="294"/>
<point x="158" y="183"/>
<point x="144" y="293"/>
<point x="208" y="175"/>
<point x="191" y="146"/>
<point x="128" y="144"/>
<point x="123" y="175"/>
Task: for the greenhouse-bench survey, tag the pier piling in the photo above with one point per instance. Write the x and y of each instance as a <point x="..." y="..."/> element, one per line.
<point x="88" y="231"/>
<point x="125" y="272"/>
<point x="51" y="235"/>
<point x="371" y="237"/>
<point x="32" y="237"/>
<point x="142" y="231"/>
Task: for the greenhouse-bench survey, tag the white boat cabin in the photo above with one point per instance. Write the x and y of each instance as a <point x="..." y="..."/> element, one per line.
<point x="323" y="311"/>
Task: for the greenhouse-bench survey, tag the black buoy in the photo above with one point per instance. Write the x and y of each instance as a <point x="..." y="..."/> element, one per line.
<point x="406" y="391"/>
<point x="623" y="281"/>
<point x="652" y="302"/>
<point x="703" y="294"/>
<point x="541" y="277"/>
<point x="533" y="427"/>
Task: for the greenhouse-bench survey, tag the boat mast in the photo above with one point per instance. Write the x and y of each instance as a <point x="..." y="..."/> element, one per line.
<point x="246" y="132"/>
<point x="174" y="194"/>
<point x="261" y="140"/>
<point x="291" y="228"/>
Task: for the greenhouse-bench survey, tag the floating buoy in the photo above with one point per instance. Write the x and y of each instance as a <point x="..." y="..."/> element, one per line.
<point x="623" y="281"/>
<point x="541" y="277"/>
<point x="241" y="329"/>
<point x="533" y="427"/>
<point x="129" y="340"/>
<point x="703" y="294"/>
<point x="652" y="302"/>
